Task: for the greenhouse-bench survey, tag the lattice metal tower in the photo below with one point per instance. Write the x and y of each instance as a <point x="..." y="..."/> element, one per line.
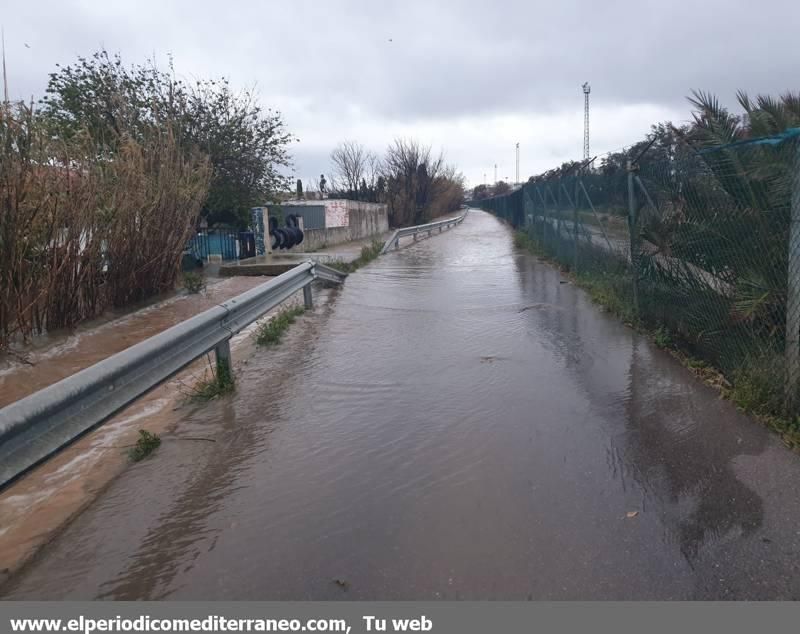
<point x="586" y="90"/>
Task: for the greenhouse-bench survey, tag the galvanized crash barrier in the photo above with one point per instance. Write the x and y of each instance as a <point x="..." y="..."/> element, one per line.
<point x="394" y="240"/>
<point x="38" y="425"/>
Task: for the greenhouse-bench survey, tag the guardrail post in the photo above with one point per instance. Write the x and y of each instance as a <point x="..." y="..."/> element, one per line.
<point x="222" y="352"/>
<point x="307" y="297"/>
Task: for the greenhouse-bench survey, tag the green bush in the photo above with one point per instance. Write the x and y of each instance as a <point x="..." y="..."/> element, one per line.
<point x="662" y="337"/>
<point x="146" y="444"/>
<point x="271" y="332"/>
<point x="368" y="253"/>
<point x="758" y="385"/>
<point x="218" y="384"/>
<point x="194" y="282"/>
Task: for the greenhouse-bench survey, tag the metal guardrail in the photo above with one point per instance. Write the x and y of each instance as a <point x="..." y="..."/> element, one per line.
<point x="416" y="230"/>
<point x="37" y="426"/>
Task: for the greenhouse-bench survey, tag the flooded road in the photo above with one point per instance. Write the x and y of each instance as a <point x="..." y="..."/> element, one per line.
<point x="459" y="423"/>
<point x="60" y="355"/>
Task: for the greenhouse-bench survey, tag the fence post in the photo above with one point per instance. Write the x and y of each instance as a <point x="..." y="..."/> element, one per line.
<point x="544" y="215"/>
<point x="793" y="289"/>
<point x="558" y="222"/>
<point x="574" y="203"/>
<point x="632" y="236"/>
<point x="526" y="198"/>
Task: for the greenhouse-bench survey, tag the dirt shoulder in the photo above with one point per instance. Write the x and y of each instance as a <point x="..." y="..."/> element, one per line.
<point x="37" y="507"/>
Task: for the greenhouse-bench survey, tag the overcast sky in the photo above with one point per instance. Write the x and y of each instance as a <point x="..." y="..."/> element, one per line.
<point x="471" y="78"/>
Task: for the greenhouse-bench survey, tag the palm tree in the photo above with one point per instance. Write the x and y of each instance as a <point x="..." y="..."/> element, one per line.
<point x="719" y="241"/>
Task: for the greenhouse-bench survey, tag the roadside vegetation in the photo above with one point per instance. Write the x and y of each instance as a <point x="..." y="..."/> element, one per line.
<point x="105" y="179"/>
<point x="416" y="184"/>
<point x="271" y="332"/>
<point x="194" y="282"/>
<point x="217" y="381"/>
<point x="146" y="444"/>
<point x="755" y="387"/>
<point x="368" y="254"/>
<point x="709" y="254"/>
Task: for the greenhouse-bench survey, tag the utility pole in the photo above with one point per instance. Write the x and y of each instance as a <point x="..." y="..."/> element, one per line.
<point x="517" y="181"/>
<point x="495" y="172"/>
<point x="586" y="90"/>
<point x="5" y="78"/>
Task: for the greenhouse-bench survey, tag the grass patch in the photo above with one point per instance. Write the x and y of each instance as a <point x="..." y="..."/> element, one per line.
<point x="368" y="253"/>
<point x="607" y="291"/>
<point x="662" y="338"/>
<point x="523" y="241"/>
<point x="758" y="385"/>
<point x="146" y="444"/>
<point x="194" y="282"/>
<point x="271" y="332"/>
<point x="219" y="383"/>
<point x="695" y="364"/>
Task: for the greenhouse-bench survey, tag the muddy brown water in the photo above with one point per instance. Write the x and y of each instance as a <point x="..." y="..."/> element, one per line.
<point x="459" y="423"/>
<point x="61" y="354"/>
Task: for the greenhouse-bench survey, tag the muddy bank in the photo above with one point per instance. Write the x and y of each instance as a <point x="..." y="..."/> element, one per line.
<point x="34" y="509"/>
<point x="55" y="357"/>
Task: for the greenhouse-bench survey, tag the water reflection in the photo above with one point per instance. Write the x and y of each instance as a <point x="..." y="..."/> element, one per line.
<point x="460" y="424"/>
<point x="678" y="441"/>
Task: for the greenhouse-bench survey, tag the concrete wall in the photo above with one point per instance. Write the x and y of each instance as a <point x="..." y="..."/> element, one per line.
<point x="364" y="220"/>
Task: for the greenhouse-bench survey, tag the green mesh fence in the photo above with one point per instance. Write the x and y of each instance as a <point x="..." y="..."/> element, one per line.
<point x="699" y="244"/>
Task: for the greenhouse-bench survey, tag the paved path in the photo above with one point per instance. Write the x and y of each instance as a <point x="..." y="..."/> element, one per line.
<point x="459" y="423"/>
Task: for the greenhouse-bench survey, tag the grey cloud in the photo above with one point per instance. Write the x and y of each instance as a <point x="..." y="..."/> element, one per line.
<point x="332" y="63"/>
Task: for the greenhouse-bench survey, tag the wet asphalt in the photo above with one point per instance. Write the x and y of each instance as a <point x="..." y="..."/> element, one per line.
<point x="459" y="422"/>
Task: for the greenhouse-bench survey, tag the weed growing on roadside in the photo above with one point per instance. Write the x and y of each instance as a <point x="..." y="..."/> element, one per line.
<point x="218" y="384"/>
<point x="662" y="337"/>
<point x="146" y="444"/>
<point x="271" y="332"/>
<point x="368" y="253"/>
<point x="194" y="282"/>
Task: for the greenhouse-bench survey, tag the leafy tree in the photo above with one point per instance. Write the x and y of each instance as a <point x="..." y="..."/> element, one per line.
<point x="419" y="185"/>
<point x="246" y="144"/>
<point x="500" y="188"/>
<point x="480" y="192"/>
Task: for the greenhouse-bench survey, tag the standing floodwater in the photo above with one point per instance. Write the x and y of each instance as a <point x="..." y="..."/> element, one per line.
<point x="461" y="423"/>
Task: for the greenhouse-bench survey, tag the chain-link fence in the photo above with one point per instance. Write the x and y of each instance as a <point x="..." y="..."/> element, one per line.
<point x="703" y="246"/>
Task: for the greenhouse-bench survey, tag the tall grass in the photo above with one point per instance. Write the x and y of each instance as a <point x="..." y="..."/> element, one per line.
<point x="82" y="230"/>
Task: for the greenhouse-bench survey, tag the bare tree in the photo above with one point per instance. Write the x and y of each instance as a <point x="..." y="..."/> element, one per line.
<point x="411" y="172"/>
<point x="352" y="164"/>
<point x="416" y="184"/>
